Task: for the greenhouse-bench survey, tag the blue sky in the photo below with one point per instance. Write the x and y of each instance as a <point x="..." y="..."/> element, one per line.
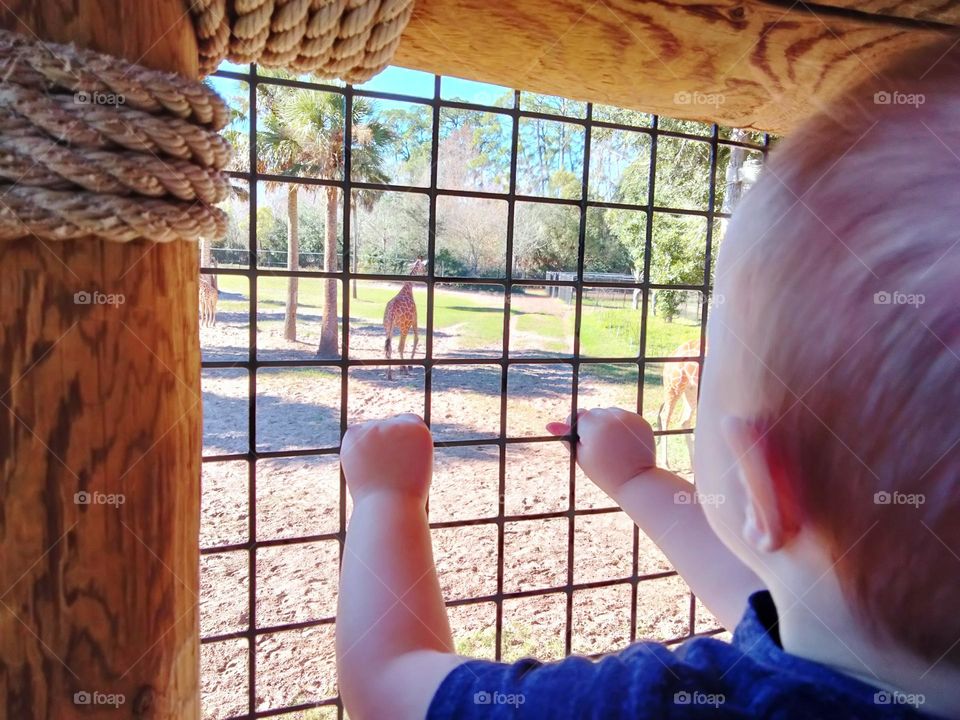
<point x="402" y="82"/>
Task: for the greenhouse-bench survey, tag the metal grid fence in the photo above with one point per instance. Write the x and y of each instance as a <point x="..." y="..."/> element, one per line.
<point x="507" y="283"/>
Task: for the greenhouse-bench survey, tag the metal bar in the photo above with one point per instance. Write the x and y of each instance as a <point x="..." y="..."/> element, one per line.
<point x="454" y="192"/>
<point x="575" y="382"/>
<point x="522" y="360"/>
<point x="505" y="373"/>
<point x="459" y="602"/>
<point x="641" y="375"/>
<point x="252" y="420"/>
<point x="463" y="105"/>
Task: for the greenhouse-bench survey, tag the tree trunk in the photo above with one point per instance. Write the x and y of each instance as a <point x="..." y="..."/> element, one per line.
<point x="206" y="252"/>
<point x="293" y="262"/>
<point x="734" y="189"/>
<point x="207" y="260"/>
<point x="100" y="438"/>
<point x="355" y="250"/>
<point x="329" y="337"/>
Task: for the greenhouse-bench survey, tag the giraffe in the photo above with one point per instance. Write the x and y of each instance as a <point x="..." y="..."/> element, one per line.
<point x="209" y="294"/>
<point x="681" y="380"/>
<point x="208" y="302"/>
<point x="401" y="313"/>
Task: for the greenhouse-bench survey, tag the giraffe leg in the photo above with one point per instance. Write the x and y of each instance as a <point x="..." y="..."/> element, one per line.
<point x="388" y="329"/>
<point x="663" y="423"/>
<point x="660" y="442"/>
<point x="416" y="339"/>
<point x="690" y="400"/>
<point x="686" y="422"/>
<point x="403" y="341"/>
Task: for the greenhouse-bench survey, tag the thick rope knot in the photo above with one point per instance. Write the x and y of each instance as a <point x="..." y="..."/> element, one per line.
<point x="91" y="145"/>
<point x="348" y="39"/>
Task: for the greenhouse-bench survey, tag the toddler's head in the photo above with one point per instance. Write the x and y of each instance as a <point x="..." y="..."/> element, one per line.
<point x="830" y="403"/>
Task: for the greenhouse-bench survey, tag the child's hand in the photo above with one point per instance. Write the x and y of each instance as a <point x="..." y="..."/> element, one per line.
<point x="394" y="455"/>
<point x="614" y="446"/>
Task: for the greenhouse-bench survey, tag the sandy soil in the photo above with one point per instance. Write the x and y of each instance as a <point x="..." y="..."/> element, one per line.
<point x="301" y="496"/>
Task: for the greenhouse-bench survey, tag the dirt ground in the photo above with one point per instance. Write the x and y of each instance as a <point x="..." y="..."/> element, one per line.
<point x="301" y="496"/>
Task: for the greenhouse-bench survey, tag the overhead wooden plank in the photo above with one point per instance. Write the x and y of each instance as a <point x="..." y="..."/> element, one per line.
<point x="941" y="11"/>
<point x="741" y="63"/>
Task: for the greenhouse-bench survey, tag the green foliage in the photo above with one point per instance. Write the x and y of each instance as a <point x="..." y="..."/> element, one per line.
<point x="391" y="232"/>
<point x="301" y="133"/>
<point x="272" y="236"/>
<point x="604" y="250"/>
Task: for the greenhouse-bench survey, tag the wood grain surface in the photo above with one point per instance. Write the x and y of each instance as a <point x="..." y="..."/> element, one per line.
<point x="742" y="63"/>
<point x="98" y="599"/>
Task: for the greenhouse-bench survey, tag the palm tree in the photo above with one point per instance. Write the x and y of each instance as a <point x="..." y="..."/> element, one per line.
<point x="366" y="199"/>
<point x="303" y="134"/>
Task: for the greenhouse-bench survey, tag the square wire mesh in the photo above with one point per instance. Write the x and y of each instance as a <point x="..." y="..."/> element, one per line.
<point x="254" y="636"/>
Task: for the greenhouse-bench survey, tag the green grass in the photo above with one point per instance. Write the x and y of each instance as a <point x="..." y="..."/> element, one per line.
<point x="519" y="641"/>
<point x="607" y="329"/>
<point x="480" y="313"/>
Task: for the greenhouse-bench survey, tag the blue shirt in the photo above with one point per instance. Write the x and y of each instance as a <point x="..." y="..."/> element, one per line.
<point x="752" y="677"/>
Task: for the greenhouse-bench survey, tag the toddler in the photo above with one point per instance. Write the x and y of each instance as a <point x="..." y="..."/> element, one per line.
<point x="827" y="423"/>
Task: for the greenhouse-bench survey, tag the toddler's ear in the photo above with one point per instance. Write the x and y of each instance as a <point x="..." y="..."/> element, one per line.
<point x="765" y="523"/>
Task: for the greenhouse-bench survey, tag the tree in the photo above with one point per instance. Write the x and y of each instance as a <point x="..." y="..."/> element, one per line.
<point x="678" y="243"/>
<point x="304" y="134"/>
<point x="394" y="230"/>
<point x="364" y="199"/>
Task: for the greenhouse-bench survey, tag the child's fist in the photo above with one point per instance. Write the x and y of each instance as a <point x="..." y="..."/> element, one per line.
<point x="394" y="455"/>
<point x="614" y="446"/>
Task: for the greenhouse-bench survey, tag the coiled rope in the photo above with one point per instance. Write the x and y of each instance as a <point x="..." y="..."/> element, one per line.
<point x="91" y="145"/>
<point x="348" y="39"/>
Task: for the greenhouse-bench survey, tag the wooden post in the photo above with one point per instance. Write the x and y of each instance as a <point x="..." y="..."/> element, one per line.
<point x="100" y="438"/>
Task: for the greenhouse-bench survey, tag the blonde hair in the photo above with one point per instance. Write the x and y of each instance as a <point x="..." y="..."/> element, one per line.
<point x="846" y="256"/>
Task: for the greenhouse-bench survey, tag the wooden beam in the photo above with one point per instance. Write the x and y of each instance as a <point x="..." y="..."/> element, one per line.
<point x="934" y="11"/>
<point x="98" y="601"/>
<point x="742" y="63"/>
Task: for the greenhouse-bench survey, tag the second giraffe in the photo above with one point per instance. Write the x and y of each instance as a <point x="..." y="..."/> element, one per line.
<point x="681" y="380"/>
<point x="401" y="313"/>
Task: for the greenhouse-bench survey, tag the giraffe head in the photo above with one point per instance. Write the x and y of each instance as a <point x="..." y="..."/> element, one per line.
<point x="417" y="267"/>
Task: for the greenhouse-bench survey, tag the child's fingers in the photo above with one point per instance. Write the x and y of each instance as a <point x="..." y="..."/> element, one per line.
<point x="558" y="428"/>
<point x="563" y="428"/>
